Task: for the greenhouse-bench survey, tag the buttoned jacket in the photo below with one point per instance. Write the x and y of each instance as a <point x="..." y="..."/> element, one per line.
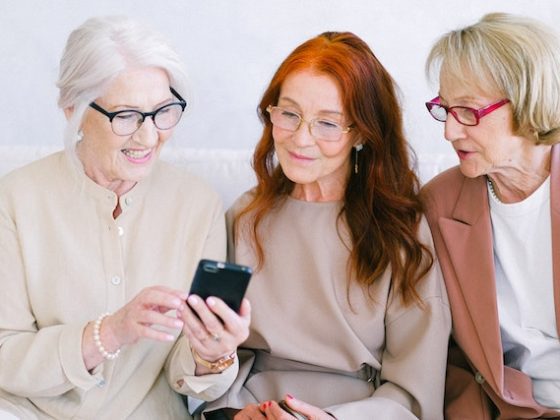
<point x="478" y="384"/>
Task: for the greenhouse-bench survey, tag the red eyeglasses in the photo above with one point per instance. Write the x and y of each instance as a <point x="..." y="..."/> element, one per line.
<point x="463" y="114"/>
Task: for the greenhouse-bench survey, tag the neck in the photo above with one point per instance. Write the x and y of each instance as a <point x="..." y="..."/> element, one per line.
<point x="515" y="183"/>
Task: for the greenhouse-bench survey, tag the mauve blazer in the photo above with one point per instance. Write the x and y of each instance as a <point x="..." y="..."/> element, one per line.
<point x="478" y="385"/>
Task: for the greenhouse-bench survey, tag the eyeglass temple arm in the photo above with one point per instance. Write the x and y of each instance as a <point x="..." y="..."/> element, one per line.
<point x="174" y="92"/>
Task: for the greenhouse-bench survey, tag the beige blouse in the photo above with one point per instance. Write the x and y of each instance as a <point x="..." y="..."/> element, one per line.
<point x="64" y="260"/>
<point x="322" y="339"/>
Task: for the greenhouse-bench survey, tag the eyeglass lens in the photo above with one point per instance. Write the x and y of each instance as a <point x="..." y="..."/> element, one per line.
<point x="127" y="122"/>
<point x="464" y="115"/>
<point x="319" y="128"/>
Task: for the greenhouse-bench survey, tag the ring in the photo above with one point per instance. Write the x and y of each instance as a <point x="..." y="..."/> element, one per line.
<point x="216" y="337"/>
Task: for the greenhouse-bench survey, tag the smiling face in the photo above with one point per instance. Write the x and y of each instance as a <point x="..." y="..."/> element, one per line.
<point x="319" y="168"/>
<point x="491" y="146"/>
<point x="118" y="162"/>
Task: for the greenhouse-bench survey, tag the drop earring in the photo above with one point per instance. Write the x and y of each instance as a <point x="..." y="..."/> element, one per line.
<point x="357" y="149"/>
<point x="79" y="136"/>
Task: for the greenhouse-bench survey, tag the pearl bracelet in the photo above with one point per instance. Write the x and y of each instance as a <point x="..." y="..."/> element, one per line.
<point x="97" y="339"/>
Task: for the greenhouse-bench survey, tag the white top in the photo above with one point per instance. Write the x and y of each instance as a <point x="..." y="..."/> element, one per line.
<point x="523" y="259"/>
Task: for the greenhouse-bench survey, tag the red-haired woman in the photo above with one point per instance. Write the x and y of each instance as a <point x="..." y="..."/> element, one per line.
<point x="350" y="314"/>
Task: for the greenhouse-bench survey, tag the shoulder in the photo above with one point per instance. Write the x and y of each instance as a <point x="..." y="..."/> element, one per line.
<point x="174" y="181"/>
<point x="444" y="181"/>
<point x="241" y="202"/>
<point x="35" y="176"/>
<point x="441" y="193"/>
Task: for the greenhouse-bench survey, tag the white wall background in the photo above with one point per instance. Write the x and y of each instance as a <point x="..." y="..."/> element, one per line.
<point x="231" y="48"/>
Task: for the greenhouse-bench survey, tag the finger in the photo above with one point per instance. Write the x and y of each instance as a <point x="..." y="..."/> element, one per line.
<point x="245" y="310"/>
<point x="153" y="334"/>
<point x="181" y="294"/>
<point x="152" y="317"/>
<point x="155" y="297"/>
<point x="251" y="412"/>
<point x="308" y="410"/>
<point x="193" y="327"/>
<point x="275" y="412"/>
<point x="233" y="322"/>
<point x="211" y="321"/>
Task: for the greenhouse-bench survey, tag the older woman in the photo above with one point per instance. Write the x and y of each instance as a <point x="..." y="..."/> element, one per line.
<point x="350" y="315"/>
<point x="496" y="217"/>
<point x="98" y="247"/>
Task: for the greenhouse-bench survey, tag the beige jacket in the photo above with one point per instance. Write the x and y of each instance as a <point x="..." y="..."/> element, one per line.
<point x="328" y="343"/>
<point x="64" y="260"/>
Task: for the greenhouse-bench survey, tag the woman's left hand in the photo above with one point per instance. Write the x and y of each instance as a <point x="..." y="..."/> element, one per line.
<point x="272" y="410"/>
<point x="213" y="328"/>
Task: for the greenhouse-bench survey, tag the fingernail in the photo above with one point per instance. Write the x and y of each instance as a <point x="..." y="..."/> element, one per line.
<point x="268" y="404"/>
<point x="289" y="396"/>
<point x="169" y="337"/>
<point x="193" y="300"/>
<point x="178" y="323"/>
<point x="263" y="406"/>
<point x="211" y="301"/>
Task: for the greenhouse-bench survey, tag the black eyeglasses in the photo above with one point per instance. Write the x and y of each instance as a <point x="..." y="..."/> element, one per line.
<point x="128" y="121"/>
<point x="462" y="114"/>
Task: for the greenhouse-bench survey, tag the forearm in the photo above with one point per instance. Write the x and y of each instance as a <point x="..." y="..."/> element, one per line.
<point x="44" y="363"/>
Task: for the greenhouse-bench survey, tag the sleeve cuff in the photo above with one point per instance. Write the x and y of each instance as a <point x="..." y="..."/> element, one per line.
<point x="71" y="359"/>
<point x="204" y="387"/>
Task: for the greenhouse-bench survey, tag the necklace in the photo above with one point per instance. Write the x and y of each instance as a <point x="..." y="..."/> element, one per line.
<point x="491" y="188"/>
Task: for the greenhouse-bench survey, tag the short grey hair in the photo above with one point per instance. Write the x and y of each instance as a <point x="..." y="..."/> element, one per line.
<point x="98" y="51"/>
<point x="512" y="55"/>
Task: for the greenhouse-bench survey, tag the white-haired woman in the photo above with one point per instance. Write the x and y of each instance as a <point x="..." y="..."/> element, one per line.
<point x="98" y="246"/>
<point x="496" y="217"/>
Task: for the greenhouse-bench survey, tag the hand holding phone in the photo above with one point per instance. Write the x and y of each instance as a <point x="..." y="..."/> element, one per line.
<point x="223" y="280"/>
<point x="284" y="406"/>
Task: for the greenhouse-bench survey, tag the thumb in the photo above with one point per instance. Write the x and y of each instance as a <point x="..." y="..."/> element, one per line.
<point x="310" y="411"/>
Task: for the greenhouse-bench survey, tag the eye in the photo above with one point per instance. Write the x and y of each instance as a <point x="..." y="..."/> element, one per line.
<point x="166" y="109"/>
<point x="289" y="114"/>
<point x="127" y="116"/>
<point x="327" y="124"/>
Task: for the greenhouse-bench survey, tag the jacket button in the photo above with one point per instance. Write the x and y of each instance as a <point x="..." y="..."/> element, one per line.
<point x="479" y="378"/>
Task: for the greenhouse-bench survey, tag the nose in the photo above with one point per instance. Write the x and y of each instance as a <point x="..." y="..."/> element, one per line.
<point x="302" y="136"/>
<point x="453" y="130"/>
<point x="148" y="134"/>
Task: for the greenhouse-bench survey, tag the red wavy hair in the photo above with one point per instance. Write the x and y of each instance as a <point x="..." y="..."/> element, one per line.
<point x="381" y="204"/>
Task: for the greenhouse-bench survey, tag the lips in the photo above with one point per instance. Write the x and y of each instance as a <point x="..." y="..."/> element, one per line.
<point x="463" y="154"/>
<point x="302" y="158"/>
<point x="137" y="155"/>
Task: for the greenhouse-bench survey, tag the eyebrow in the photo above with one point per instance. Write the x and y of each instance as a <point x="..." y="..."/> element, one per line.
<point x="466" y="98"/>
<point x="322" y="111"/>
<point x="126" y="107"/>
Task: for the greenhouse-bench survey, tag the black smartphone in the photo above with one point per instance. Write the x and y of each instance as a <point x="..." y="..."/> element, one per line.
<point x="226" y="281"/>
<point x="284" y="406"/>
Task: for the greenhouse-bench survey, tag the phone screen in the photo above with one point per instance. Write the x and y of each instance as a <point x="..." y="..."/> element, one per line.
<point x="226" y="281"/>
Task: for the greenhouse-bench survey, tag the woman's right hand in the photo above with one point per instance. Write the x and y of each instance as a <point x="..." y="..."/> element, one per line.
<point x="142" y="317"/>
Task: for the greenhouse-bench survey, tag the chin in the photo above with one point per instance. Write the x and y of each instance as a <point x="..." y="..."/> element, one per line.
<point x="470" y="172"/>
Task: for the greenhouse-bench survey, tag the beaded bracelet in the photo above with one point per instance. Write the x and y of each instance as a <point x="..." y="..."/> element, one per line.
<point x="97" y="339"/>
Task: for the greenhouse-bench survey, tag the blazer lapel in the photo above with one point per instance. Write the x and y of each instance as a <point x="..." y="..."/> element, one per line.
<point x="555" y="224"/>
<point x="468" y="237"/>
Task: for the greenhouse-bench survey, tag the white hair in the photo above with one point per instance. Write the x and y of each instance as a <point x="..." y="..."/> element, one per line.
<point x="97" y="52"/>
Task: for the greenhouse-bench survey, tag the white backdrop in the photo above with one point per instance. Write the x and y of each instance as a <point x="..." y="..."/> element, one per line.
<point x="231" y="48"/>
